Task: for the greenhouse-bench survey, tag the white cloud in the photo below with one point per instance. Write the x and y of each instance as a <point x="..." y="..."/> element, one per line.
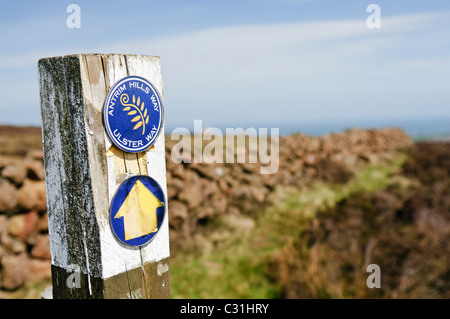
<point x="241" y="69"/>
<point x="304" y="69"/>
<point x="263" y="52"/>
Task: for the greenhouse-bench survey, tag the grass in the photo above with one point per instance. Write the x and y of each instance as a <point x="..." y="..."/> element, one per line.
<point x="231" y="259"/>
<point x="31" y="290"/>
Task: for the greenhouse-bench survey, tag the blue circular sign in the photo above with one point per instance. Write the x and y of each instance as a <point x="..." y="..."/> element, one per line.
<point x="133" y="114"/>
<point x="137" y="210"/>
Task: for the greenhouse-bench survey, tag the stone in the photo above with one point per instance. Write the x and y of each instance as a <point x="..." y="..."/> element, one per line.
<point x="178" y="214"/>
<point x="233" y="210"/>
<point x="171" y="192"/>
<point x="32" y="196"/>
<point x="3" y="223"/>
<point x="250" y="168"/>
<point x="191" y="196"/>
<point x="36" y="155"/>
<point x="42" y="224"/>
<point x="16" y="269"/>
<point x="219" y="203"/>
<point x="204" y="213"/>
<point x="296" y="166"/>
<point x="35" y="170"/>
<point x="239" y="222"/>
<point x="368" y="157"/>
<point x="252" y="179"/>
<point x="206" y="170"/>
<point x="4" y="161"/>
<point x="14" y="245"/>
<point x="240" y="192"/>
<point x="40" y="269"/>
<point x="41" y="248"/>
<point x="16" y="173"/>
<point x="8" y="196"/>
<point x="191" y="193"/>
<point x="169" y="177"/>
<point x="270" y="180"/>
<point x="208" y="187"/>
<point x="176" y="183"/>
<point x="178" y="170"/>
<point x="258" y="193"/>
<point x="22" y="226"/>
<point x="311" y="159"/>
<point x="223" y="186"/>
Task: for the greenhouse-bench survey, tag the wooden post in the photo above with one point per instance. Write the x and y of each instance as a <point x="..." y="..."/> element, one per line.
<point x="82" y="172"/>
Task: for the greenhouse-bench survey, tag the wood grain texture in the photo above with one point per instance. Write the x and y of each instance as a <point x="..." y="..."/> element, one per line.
<point x="83" y="170"/>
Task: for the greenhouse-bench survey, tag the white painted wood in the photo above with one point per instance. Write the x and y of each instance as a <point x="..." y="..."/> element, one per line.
<point x="55" y="177"/>
<point x="116" y="257"/>
<point x="149" y="67"/>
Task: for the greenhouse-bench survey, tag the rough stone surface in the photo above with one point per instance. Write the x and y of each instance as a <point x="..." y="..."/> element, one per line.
<point x="15" y="173"/>
<point x="16" y="269"/>
<point x="32" y="196"/>
<point x="23" y="226"/>
<point x="41" y="248"/>
<point x="8" y="196"/>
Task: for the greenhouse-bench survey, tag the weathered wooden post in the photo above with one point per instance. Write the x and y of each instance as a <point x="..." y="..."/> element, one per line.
<point x="86" y="170"/>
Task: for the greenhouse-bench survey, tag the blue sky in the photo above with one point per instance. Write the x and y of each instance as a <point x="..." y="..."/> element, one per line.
<point x="247" y="62"/>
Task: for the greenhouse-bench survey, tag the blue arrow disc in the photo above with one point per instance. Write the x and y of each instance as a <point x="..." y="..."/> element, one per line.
<point x="129" y="218"/>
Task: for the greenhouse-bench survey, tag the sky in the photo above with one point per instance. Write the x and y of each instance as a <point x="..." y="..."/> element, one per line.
<point x="240" y="63"/>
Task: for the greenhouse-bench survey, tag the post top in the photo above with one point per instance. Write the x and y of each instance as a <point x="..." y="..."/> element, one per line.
<point x="106" y="55"/>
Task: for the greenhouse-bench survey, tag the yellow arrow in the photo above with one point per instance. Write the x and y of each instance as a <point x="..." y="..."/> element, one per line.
<point x="139" y="211"/>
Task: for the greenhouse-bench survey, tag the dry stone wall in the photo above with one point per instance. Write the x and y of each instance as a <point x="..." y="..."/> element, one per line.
<point x="197" y="192"/>
<point x="24" y="244"/>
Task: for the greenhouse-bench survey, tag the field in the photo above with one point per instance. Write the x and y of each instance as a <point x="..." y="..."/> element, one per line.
<point x="316" y="242"/>
<point x="311" y="240"/>
<point x="17" y="141"/>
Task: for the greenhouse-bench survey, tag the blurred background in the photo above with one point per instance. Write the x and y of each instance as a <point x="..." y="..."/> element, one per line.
<point x="350" y="190"/>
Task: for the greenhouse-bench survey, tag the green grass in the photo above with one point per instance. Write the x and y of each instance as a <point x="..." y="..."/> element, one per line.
<point x="31" y="290"/>
<point x="231" y="259"/>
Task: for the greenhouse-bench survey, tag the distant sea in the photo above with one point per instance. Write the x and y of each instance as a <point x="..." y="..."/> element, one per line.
<point x="418" y="129"/>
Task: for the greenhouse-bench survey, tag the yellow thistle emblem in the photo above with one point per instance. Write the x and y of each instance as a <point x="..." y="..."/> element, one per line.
<point x="135" y="108"/>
